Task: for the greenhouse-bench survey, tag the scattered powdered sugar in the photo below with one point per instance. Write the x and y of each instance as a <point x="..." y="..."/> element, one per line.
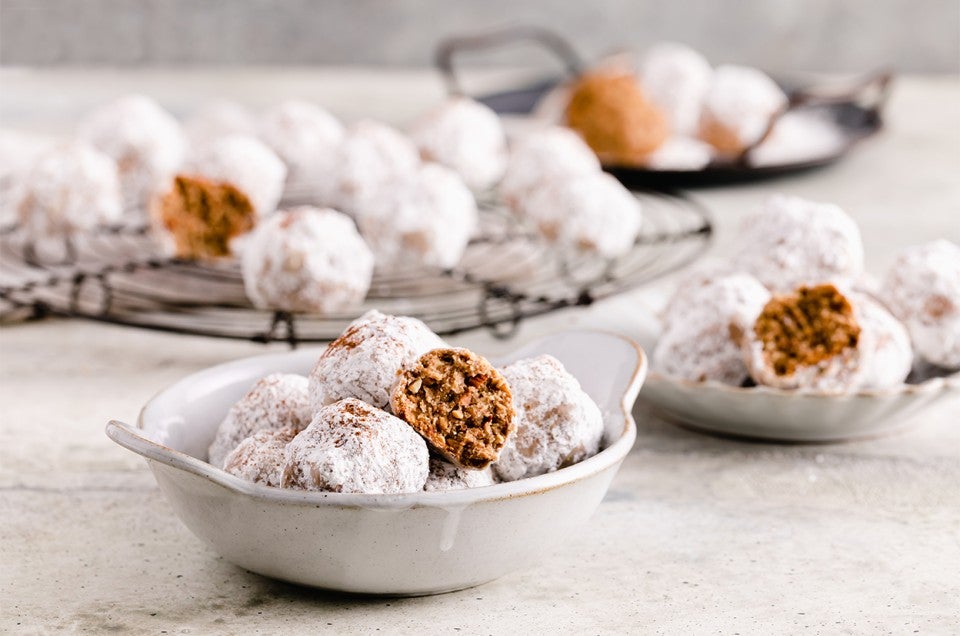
<point x="145" y="141"/>
<point x="922" y="288"/>
<point x="590" y="212"/>
<point x="425" y="218"/>
<point x="71" y="188"/>
<point x="279" y="400"/>
<point x="557" y="424"/>
<point x="306" y="138"/>
<point x="261" y="457"/>
<point x="798" y="136"/>
<point x="676" y="78"/>
<point x="372" y="156"/>
<point x="363" y="362"/>
<point x="553" y="153"/>
<point x="743" y="100"/>
<point x="445" y="476"/>
<point x="794" y="242"/>
<point x="353" y="447"/>
<point x="680" y="153"/>
<point x="892" y="357"/>
<point x="306" y="259"/>
<point x="703" y="324"/>
<point x="465" y="136"/>
<point x="246" y="163"/>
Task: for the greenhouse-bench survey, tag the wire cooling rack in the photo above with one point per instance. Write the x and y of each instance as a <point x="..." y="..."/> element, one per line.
<point x="117" y="275"/>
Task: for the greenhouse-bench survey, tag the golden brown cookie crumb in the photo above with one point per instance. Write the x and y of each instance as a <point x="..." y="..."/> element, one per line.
<point x="202" y="216"/>
<point x="459" y="403"/>
<point x="615" y="118"/>
<point x="806" y="327"/>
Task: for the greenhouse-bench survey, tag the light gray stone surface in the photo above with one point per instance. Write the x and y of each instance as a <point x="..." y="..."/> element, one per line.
<point x="697" y="535"/>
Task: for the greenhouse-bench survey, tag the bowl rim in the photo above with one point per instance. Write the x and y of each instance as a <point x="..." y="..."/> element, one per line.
<point x="130" y="438"/>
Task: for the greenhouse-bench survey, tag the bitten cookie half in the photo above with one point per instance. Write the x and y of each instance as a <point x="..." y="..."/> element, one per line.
<point x="459" y="403"/>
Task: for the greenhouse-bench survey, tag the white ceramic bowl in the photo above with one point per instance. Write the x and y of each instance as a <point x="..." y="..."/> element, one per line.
<point x="778" y="415"/>
<point x="410" y="544"/>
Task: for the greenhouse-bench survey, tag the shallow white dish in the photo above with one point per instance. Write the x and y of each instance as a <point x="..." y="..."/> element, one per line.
<point x="792" y="416"/>
<point x="410" y="544"/>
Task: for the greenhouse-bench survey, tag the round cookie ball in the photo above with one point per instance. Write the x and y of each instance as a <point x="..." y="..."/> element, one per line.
<point x="372" y="156"/>
<point x="676" y="78"/>
<point x="306" y="138"/>
<point x="459" y="403"/>
<point x="445" y="476"/>
<point x="557" y="423"/>
<point x="19" y="151"/>
<point x="810" y="339"/>
<point x="246" y="163"/>
<point x="261" y="457"/>
<point x="680" y="153"/>
<point x="71" y="188"/>
<point x="306" y="259"/>
<point x="277" y="401"/>
<point x="892" y="356"/>
<point x="467" y="137"/>
<point x="217" y="119"/>
<point x="922" y="288"/>
<point x="425" y="219"/>
<point x="701" y="340"/>
<point x="611" y="112"/>
<point x="586" y="213"/>
<point x="353" y="447"/>
<point x="549" y="153"/>
<point x="738" y="108"/>
<point x="145" y="141"/>
<point x="794" y="242"/>
<point x="363" y="362"/>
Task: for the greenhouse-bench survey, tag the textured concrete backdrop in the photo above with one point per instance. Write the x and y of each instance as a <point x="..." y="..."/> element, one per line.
<point x="847" y="35"/>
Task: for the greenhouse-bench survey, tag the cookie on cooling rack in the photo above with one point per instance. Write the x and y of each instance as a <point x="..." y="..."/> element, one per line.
<point x="145" y="141"/>
<point x="459" y="403"/>
<point x="424" y="219"/>
<point x="445" y="476"/>
<point x="465" y="136"/>
<point x="738" y="108"/>
<point x="71" y="188"/>
<point x="922" y="288"/>
<point x="557" y="424"/>
<point x="353" y="447"/>
<point x="306" y="260"/>
<point x="363" y="362"/>
<point x="261" y="457"/>
<point x="278" y="401"/>
<point x="306" y="138"/>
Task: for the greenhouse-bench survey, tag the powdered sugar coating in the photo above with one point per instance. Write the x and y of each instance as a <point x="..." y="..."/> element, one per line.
<point x="246" y="163"/>
<point x="306" y="259"/>
<point x="676" y="78"/>
<point x="145" y="141"/>
<point x="216" y="119"/>
<point x="445" y="476"/>
<point x="549" y="153"/>
<point x="892" y="356"/>
<point x="922" y="288"/>
<point x="261" y="457"/>
<point x="557" y="424"/>
<point x="425" y="219"/>
<point x="71" y="188"/>
<point x="700" y="340"/>
<point x="363" y="362"/>
<point x="353" y="447"/>
<point x="279" y="400"/>
<point x="372" y="156"/>
<point x="18" y="152"/>
<point x="591" y="212"/>
<point x="742" y="100"/>
<point x="793" y="242"/>
<point x="465" y="136"/>
<point x="680" y="153"/>
<point x="306" y="138"/>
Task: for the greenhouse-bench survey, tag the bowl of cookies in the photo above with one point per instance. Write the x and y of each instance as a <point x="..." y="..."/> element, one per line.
<point x="790" y="340"/>
<point x="390" y="462"/>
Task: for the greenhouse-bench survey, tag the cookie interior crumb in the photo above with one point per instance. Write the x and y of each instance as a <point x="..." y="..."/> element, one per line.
<point x="459" y="403"/>
<point x="805" y="328"/>
<point x="202" y="216"/>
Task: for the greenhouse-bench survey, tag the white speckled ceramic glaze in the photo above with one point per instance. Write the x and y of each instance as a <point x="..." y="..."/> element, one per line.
<point x="417" y="543"/>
